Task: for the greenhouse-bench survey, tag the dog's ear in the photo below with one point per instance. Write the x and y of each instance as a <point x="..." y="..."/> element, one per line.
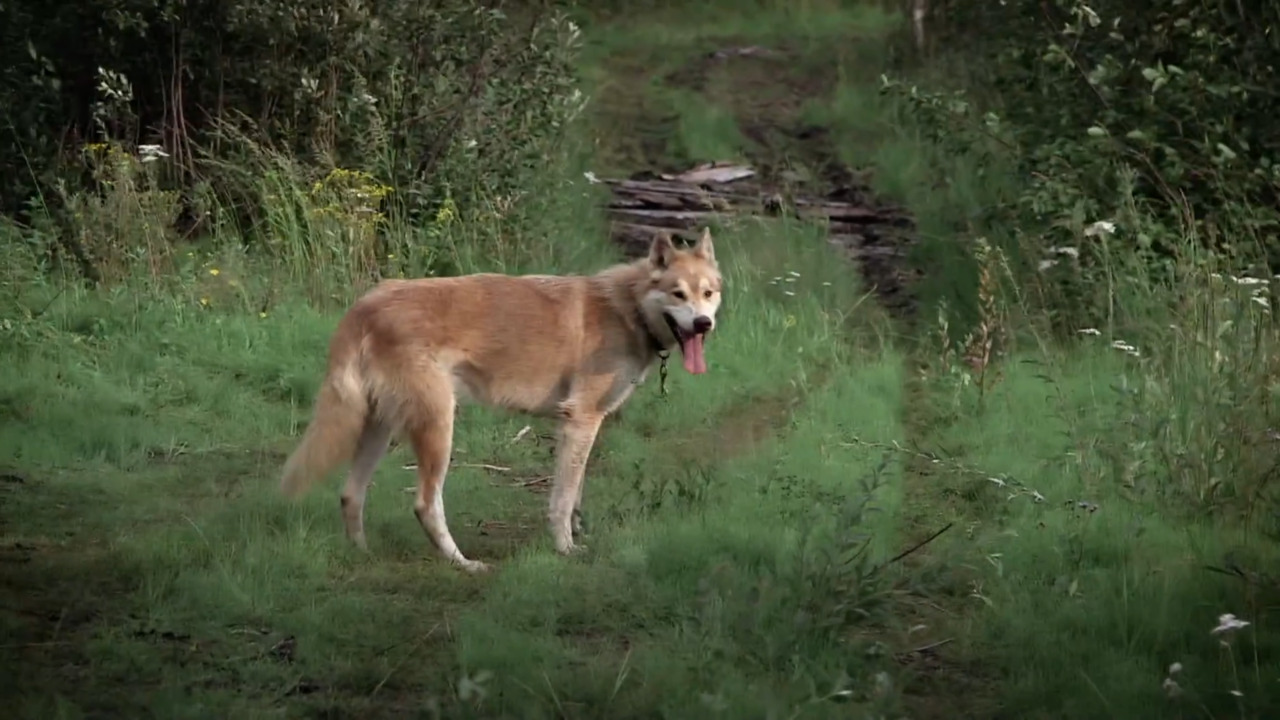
<point x="704" y="249"/>
<point x="662" y="250"/>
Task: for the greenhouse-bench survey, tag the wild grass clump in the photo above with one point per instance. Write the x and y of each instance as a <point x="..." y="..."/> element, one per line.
<point x="1109" y="347"/>
<point x="327" y="158"/>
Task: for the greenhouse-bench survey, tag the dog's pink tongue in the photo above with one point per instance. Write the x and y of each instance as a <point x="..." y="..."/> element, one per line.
<point x="691" y="349"/>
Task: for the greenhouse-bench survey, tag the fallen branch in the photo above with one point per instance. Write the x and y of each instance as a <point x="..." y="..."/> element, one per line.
<point x="480" y="466"/>
<point x="915" y="547"/>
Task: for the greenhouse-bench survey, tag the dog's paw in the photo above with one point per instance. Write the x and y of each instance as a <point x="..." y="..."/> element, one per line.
<point x="570" y="549"/>
<point x="474" y="567"/>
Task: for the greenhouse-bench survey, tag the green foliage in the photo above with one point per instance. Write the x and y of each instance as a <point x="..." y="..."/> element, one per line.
<point x="1179" y="92"/>
<point x="1086" y="582"/>
<point x="436" y="102"/>
<point x="1061" y="501"/>
<point x="1125" y="159"/>
<point x="1097" y="238"/>
<point x="1155" y="121"/>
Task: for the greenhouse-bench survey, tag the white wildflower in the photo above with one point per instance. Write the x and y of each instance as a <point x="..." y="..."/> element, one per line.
<point x="1089" y="331"/>
<point x="1046" y="264"/>
<point x="1175" y="668"/>
<point x="1066" y="250"/>
<point x="788" y="293"/>
<point x="1247" y="281"/>
<point x="1171" y="688"/>
<point x="151" y="153"/>
<point x="1101" y="227"/>
<point x="883" y="684"/>
<point x="793" y="273"/>
<point x="1228" y="623"/>
<point x="1126" y="348"/>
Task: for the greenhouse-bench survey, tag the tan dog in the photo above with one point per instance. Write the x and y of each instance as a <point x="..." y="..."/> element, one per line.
<point x="409" y="351"/>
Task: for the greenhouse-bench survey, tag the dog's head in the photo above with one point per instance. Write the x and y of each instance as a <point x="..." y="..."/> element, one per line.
<point x="684" y="291"/>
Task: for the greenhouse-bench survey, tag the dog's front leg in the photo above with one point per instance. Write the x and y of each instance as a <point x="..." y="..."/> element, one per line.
<point x="577" y="435"/>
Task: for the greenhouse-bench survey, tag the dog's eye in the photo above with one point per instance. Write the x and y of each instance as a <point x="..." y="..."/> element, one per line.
<point x="707" y="294"/>
<point x="679" y="295"/>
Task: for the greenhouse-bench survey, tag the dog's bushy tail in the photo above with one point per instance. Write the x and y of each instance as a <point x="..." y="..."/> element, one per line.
<point x="337" y="422"/>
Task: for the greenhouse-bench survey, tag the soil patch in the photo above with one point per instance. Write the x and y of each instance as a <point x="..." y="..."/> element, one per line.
<point x="792" y="167"/>
<point x="766" y="89"/>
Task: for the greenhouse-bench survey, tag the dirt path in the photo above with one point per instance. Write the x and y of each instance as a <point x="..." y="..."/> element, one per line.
<point x="792" y="167"/>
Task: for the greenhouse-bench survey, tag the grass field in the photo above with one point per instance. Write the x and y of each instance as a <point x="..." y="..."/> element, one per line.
<point x="754" y="537"/>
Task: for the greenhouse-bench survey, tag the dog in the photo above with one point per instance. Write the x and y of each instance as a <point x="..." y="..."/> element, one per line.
<point x="408" y="353"/>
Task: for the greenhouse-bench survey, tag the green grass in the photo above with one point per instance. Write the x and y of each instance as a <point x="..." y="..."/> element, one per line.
<point x="1076" y="585"/>
<point x="745" y="532"/>
<point x="660" y="99"/>
<point x="159" y="568"/>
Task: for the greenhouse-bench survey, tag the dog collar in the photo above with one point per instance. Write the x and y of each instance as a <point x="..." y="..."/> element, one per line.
<point x="655" y="345"/>
<point x="657" y="348"/>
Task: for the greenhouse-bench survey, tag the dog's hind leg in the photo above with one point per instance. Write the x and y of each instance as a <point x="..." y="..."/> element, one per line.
<point x="430" y="430"/>
<point x="373" y="443"/>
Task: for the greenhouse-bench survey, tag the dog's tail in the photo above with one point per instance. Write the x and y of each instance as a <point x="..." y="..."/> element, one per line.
<point x="337" y="422"/>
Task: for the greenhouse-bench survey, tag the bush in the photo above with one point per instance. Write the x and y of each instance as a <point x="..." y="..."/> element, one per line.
<point x="1175" y="93"/>
<point x="432" y="104"/>
<point x="1141" y="137"/>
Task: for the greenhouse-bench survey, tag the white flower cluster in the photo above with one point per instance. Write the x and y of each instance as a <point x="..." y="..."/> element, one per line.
<point x="1120" y="345"/>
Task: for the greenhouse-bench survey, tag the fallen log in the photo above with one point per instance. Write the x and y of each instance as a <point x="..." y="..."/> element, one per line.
<point x="872" y="232"/>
